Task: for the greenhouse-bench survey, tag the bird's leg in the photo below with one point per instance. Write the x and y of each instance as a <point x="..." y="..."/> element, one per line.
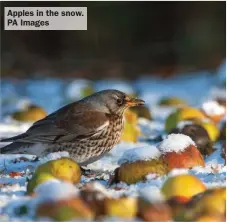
<point x="36" y="159"/>
<point x="88" y="172"/>
<point x="85" y="172"/>
<point x="113" y="178"/>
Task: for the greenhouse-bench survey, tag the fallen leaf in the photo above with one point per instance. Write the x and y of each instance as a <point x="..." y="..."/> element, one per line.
<point x="15" y="174"/>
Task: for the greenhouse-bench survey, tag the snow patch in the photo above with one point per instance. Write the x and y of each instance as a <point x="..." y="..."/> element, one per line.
<point x="56" y="190"/>
<point x="141" y="153"/>
<point x="23" y="103"/>
<point x="175" y="143"/>
<point x="54" y="156"/>
<point x="110" y="161"/>
<point x="177" y="172"/>
<point x="184" y="123"/>
<point x="13" y="188"/>
<point x="213" y="108"/>
<point x="152" y="193"/>
<point x="150" y="129"/>
<point x="75" y="88"/>
<point x="218" y="93"/>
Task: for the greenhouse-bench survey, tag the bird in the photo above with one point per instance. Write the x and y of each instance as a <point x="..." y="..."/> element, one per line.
<point x="87" y="129"/>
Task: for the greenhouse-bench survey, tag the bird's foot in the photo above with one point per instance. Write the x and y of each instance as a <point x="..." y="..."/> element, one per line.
<point x="35" y="159"/>
<point x="89" y="173"/>
<point x="85" y="172"/>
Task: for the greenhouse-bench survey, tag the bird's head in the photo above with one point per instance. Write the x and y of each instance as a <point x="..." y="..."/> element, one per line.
<point x="113" y="101"/>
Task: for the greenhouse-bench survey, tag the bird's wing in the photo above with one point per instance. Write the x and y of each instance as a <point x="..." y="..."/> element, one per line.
<point x="70" y="126"/>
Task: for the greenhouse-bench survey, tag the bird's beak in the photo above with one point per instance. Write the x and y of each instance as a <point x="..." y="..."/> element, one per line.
<point x="134" y="102"/>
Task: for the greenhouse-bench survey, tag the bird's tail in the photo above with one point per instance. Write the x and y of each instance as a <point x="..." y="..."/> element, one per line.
<point x="11" y="139"/>
<point x="16" y="148"/>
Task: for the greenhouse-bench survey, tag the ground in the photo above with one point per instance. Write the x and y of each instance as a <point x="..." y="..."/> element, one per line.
<point x="196" y="88"/>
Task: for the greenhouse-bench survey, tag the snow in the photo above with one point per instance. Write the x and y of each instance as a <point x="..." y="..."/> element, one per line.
<point x="23" y="103"/>
<point x="150" y="129"/>
<point x="54" y="156"/>
<point x="197" y="88"/>
<point x="75" y="88"/>
<point x="142" y="153"/>
<point x="56" y="190"/>
<point x="218" y="93"/>
<point x="184" y="123"/>
<point x="212" y="108"/>
<point x="177" y="172"/>
<point x="175" y="143"/>
<point x="110" y="161"/>
<point x="152" y="194"/>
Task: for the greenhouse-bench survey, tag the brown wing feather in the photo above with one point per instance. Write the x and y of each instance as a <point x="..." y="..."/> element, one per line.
<point x="71" y="125"/>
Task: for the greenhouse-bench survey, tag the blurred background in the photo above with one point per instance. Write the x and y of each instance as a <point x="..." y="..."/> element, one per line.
<point x="150" y="49"/>
<point x="123" y="39"/>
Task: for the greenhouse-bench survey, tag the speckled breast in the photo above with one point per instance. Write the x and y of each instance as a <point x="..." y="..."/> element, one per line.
<point x="110" y="136"/>
<point x="92" y="148"/>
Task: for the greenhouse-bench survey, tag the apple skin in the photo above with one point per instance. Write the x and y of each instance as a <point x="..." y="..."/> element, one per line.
<point x="172" y="101"/>
<point x="65" y="210"/>
<point x="64" y="169"/>
<point x="134" y="172"/>
<point x="131" y="130"/>
<point x="188" y="158"/>
<point x="154" y="211"/>
<point x="199" y="135"/>
<point x="176" y="186"/>
<point x="209" y="206"/>
<point x="31" y="113"/>
<point x="38" y="179"/>
<point x="186" y="113"/>
<point x="125" y="207"/>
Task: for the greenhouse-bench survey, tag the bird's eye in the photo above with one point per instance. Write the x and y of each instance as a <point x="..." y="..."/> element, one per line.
<point x="119" y="102"/>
